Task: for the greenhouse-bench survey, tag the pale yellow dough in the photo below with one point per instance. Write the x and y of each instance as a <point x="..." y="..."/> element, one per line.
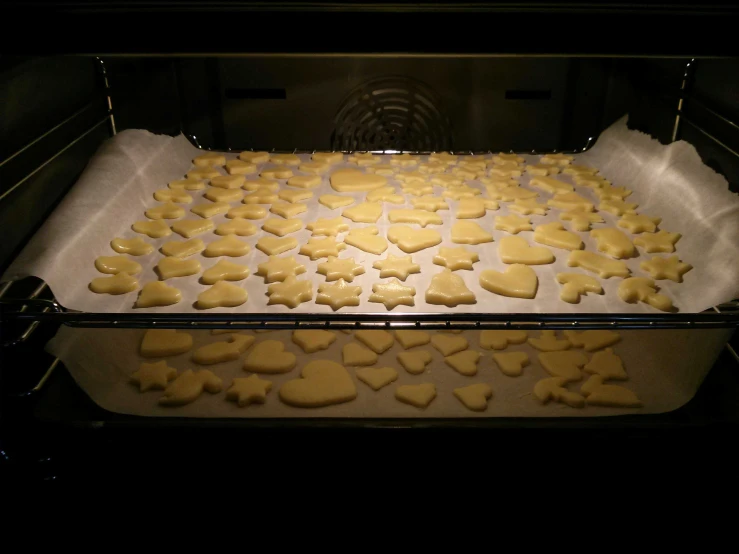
<point x="287" y="159"/>
<point x="291" y="292"/>
<point x="565" y="365"/>
<point x="590" y="181"/>
<point x="518" y="281"/>
<point x="304" y="181"/>
<point x="282" y="227"/>
<point x="469" y="232"/>
<point x="511" y="363"/>
<point x="338" y="295"/>
<point x="377" y="377"/>
<point x="456" y="258"/>
<point x="449" y="289"/>
<point x="237" y="226"/>
<point x="365" y="239"/>
<point x="364" y="158"/>
<point x="323" y="383"/>
<point x="186" y="184"/>
<point x="334" y="201"/>
<point x="473" y="208"/>
<point x="153" y="376"/>
<point x="417" y="188"/>
<point x="554" y="234"/>
<point x="553" y="388"/>
<point x="317" y="248"/>
<point x="261" y="195"/>
<point x="474" y="397"/>
<point x="608" y="192"/>
<point x="551" y="185"/>
<point x="528" y="206"/>
<point x="314" y="168"/>
<point x="593" y="339"/>
<point x="328" y="227"/>
<point x="224" y="351"/>
<point x="287" y="210"/>
<point x="229" y="245"/>
<point x="313" y="340"/>
<point x="430" y="203"/>
<point x="443" y="158"/>
<point x="448" y="345"/>
<point x="411" y="240"/>
<point x="665" y="268"/>
<point x="515" y="250"/>
<point x="613" y="396"/>
<point x="120" y="283"/>
<point x="575" y="169"/>
<point x="613" y="242"/>
<point x="210" y="209"/>
<point x="221" y="295"/>
<point x="447" y="180"/>
<point x="639" y="223"/>
<point x="135" y="247"/>
<point x="209" y="159"/>
<point x="409" y="339"/>
<point x="261" y="184"/>
<point x="661" y="241"/>
<point x="153" y="229"/>
<point x="548" y="342"/>
<point x="420" y="217"/>
<point x="182" y="249"/>
<point x="189" y="385"/>
<point x="189" y="228"/>
<point x="159" y="343"/>
<point x="580" y="221"/>
<point x="254" y="157"/>
<point x="385" y="194"/>
<point x="542" y="169"/>
<point x="113" y="265"/>
<point x="414" y="362"/>
<point x="328" y="157"/>
<point x="269" y="356"/>
<point x="249" y="211"/>
<point x="378" y="341"/>
<point x="170" y="267"/>
<point x="502" y="158"/>
<point x="499" y="340"/>
<point x="419" y="396"/>
<point x="382" y="169"/>
<point x="273" y="245"/>
<point x="172" y="195"/>
<point x="156" y="294"/>
<point x="335" y="269"/>
<point x="248" y="390"/>
<point x="617" y="207"/>
<point x="353" y="180"/>
<point x="227" y="181"/>
<point x="575" y="285"/>
<point x="643" y="289"/>
<point x="240" y="167"/>
<point x="513" y="224"/>
<point x="458" y="193"/>
<point x="202" y="173"/>
<point x="224" y="195"/>
<point x="366" y="212"/>
<point x="294" y="196"/>
<point x="279" y="269"/>
<point x="224" y="271"/>
<point x="396" y="266"/>
<point x="557" y="159"/>
<point x="607" y="365"/>
<point x="604" y="267"/>
<point x="510" y="194"/>
<point x="464" y="362"/>
<point x="354" y="354"/>
<point x="571" y="201"/>
<point x="404" y="160"/>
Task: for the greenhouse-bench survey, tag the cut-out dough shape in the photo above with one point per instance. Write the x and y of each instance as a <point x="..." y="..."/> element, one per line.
<point x="499" y="340"/>
<point x="223" y="351"/>
<point x="497" y="183"/>
<point x="511" y="363"/>
<point x="153" y="229"/>
<point x="464" y="363"/>
<point x="392" y="294"/>
<point x="513" y="224"/>
<point x="240" y="167"/>
<point x="551" y="185"/>
<point x="313" y="340"/>
<point x="553" y="234"/>
<point x="237" y="226"/>
<point x="186" y="184"/>
<point x="553" y="389"/>
<point x="499" y="171"/>
<point x="429" y="203"/>
<point x="156" y="294"/>
<point x="159" y="343"/>
<point x="571" y="201"/>
<point x="607" y="365"/>
<point x="443" y="158"/>
<point x="333" y="201"/>
<point x="448" y="345"/>
<point x="639" y="223"/>
<point x="264" y="186"/>
<point x="511" y="194"/>
<point x="229" y="245"/>
<point x="153" y="376"/>
<point x="575" y="169"/>
<point x="294" y="196"/>
<point x="593" y="382"/>
<point x="269" y="356"/>
<point x="366" y="212"/>
<point x="304" y="181"/>
<point x="396" y="266"/>
<point x="517" y="281"/>
<point x="590" y="181"/>
<point x="643" y="289"/>
<point x="384" y="194"/>
<point x="328" y="227"/>
<point x="417" y="188"/>
<point x="613" y="242"/>
<point x="287" y="159"/>
<point x="378" y="341"/>
<point x="323" y="383"/>
<point x="528" y="206"/>
<point x="419" y="396"/>
<point x="446" y="180"/>
<point x="366" y="240"/>
<point x="542" y="170"/>
<point x="409" y="339"/>
<point x="419" y="217"/>
<point x="377" y="377"/>
<point x="248" y="390"/>
<point x="210" y="209"/>
<point x="666" y="268"/>
<point x="338" y="295"/>
<point x="112" y="265"/>
<point x="516" y="250"/>
<point x="249" y="211"/>
<point x="171" y="267"/>
<point x="548" y="342"/>
<point x="189" y="385"/>
<point x="182" y="249"/>
<point x="328" y="157"/>
<point x="469" y="232"/>
<point x="254" y="157"/>
<point x="661" y="241"/>
<point x="414" y="362"/>
<point x="353" y="180"/>
<point x="282" y="227"/>
<point x="474" y="397"/>
<point x="224" y="271"/>
<point x="189" y="228"/>
<point x="468" y="173"/>
<point x="608" y="192"/>
<point x="354" y="354"/>
<point x="120" y="283"/>
<point x="314" y="168"/>
<point x="411" y="240"/>
<point x="458" y="193"/>
<point x="273" y="245"/>
<point x="322" y="248"/>
<point x="364" y="158"/>
<point x="473" y="208"/>
<point x="291" y="292"/>
<point x="557" y="159"/>
<point x="222" y="295"/>
<point x="224" y="195"/>
<point x="170" y="195"/>
<point x="580" y="221"/>
<point x="382" y="169"/>
<point x="287" y="210"/>
<point x="227" y="181"/>
<point x="575" y="285"/>
<point x="448" y="289"/>
<point x="202" y="173"/>
<point x="617" y="207"/>
<point x="456" y="258"/>
<point x="262" y="195"/>
<point x="613" y="396"/>
<point x="134" y="247"/>
<point x="420" y="175"/>
<point x="503" y="157"/>
<point x="404" y="160"/>
<point x="564" y="364"/>
<point x="593" y="340"/>
<point x="335" y="269"/>
<point x="604" y="267"/>
<point x="209" y="159"/>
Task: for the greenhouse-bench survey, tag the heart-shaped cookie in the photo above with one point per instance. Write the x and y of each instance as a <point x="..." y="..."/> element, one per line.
<point x="157" y="293"/>
<point x="499" y="340"/>
<point x="354" y="354"/>
<point x="269" y="356"/>
<point x="224" y="271"/>
<point x="414" y="362"/>
<point x="171" y="267"/>
<point x="222" y="351"/>
<point x="154" y="229"/>
<point x="112" y="265"/>
<point x="158" y="343"/>
<point x="121" y="283"/>
<point x="469" y="232"/>
<point x="313" y="340"/>
<point x="474" y="397"/>
<point x="419" y="396"/>
<point x="377" y="377"/>
<point x="377" y="340"/>
<point x="515" y="250"/>
<point x="353" y="180"/>
<point x="135" y="247"/>
<point x="273" y="245"/>
<point x="448" y="344"/>
<point x="222" y="295"/>
<point x="565" y="364"/>
<point x="518" y="281"/>
<point x="324" y="383"/>
<point x="412" y="240"/>
<point x="464" y="362"/>
<point x="366" y="212"/>
<point x="511" y="363"/>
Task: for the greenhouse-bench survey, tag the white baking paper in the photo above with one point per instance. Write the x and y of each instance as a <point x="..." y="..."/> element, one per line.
<point x="117" y="187"/>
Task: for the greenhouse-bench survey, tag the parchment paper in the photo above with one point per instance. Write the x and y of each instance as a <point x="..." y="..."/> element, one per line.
<point x="117" y="187"/>
<point x="665" y="368"/>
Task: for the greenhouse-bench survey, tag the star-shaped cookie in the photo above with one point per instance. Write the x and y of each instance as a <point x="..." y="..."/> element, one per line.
<point x="661" y="241"/>
<point x="417" y="188"/>
<point x="513" y="224"/>
<point x="639" y="223"/>
<point x="291" y="292"/>
<point x="321" y="248"/>
<point x="392" y="293"/>
<point x="335" y="269"/>
<point x="415" y="176"/>
<point x="248" y="390"/>
<point x="456" y="193"/>
<point x="396" y="266"/>
<point x="580" y="220"/>
<point x="430" y="203"/>
<point x="528" y="206"/>
<point x="279" y="269"/>
<point x="338" y="294"/>
<point x="447" y="180"/>
<point x="456" y="258"/>
<point x="153" y="376"/>
<point x="670" y="268"/>
<point x="328" y="226"/>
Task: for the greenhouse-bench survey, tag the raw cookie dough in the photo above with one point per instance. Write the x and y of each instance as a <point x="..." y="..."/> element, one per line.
<point x="254" y="157"/>
<point x="449" y="289"/>
<point x="554" y="234"/>
<point x="420" y="175"/>
<point x="170" y="267"/>
<point x="338" y="295"/>
<point x="404" y="160"/>
<point x="323" y="383"/>
<point x="353" y="180"/>
<point x="607" y="365"/>
<point x="414" y="362"/>
<point x="279" y="269"/>
<point x="188" y="386"/>
<point x="182" y="249"/>
<point x="608" y="192"/>
<point x="665" y="268"/>
<point x="304" y="181"/>
<point x="565" y="365"/>
<point x="474" y="397"/>
<point x="576" y="285"/>
<point x="134" y="247"/>
<point x="548" y="342"/>
<point x="210" y="209"/>
<point x="396" y="266"/>
<point x="112" y="265"/>
<point x="580" y="220"/>
<point x="265" y="186"/>
<point x="287" y="210"/>
<point x="420" y="217"/>
<point x="364" y="158"/>
<point x="411" y="240"/>
<point x="273" y="245"/>
<point x="313" y="340"/>
<point x="335" y="269"/>
<point x="639" y="223"/>
<point x="294" y="196"/>
<point x="229" y="245"/>
<point x="464" y="362"/>
<point x="282" y="227"/>
<point x="377" y="377"/>
<point x="158" y="343"/>
<point x="328" y="227"/>
<point x="542" y="169"/>
<point x="249" y="211"/>
<point x="444" y="180"/>
<point x="240" y="167"/>
<point x="224" y="195"/>
<point x="518" y="281"/>
<point x="473" y="208"/>
<point x="513" y="224"/>
<point x="409" y="339"/>
<point x="366" y="240"/>
<point x="511" y="363"/>
<point x="202" y="173"/>
<point x="515" y="250"/>
<point x="382" y="169"/>
<point x="366" y="212"/>
<point x="392" y="294"/>
<point x="328" y="157"/>
<point x="499" y="340"/>
<point x="456" y="258"/>
<point x="661" y="241"/>
<point x="557" y="159"/>
<point x="593" y="339"/>
<point x="551" y="185"/>
<point x="604" y="267"/>
<point x="291" y="292"/>
<point x="153" y="376"/>
<point x="237" y="226"/>
<point x="354" y="354"/>
<point x="575" y="169"/>
<point x="120" y="283"/>
<point x="227" y="181"/>
<point x="224" y="351"/>
<point x="314" y="168"/>
<point x="378" y="341"/>
<point x="643" y="289"/>
<point x="501" y="158"/>
<point x="430" y="203"/>
<point x="448" y="345"/>
<point x="317" y="248"/>
<point x="287" y="159"/>
<point x="528" y="206"/>
<point x="499" y="171"/>
<point x="333" y="201"/>
<point x="613" y="242"/>
<point x="153" y="229"/>
<point x="186" y="184"/>
<point x="248" y="390"/>
<point x="419" y="396"/>
<point x="469" y="232"/>
<point x="614" y="396"/>
<point x="172" y="195"/>
<point x="221" y="295"/>
<point x="458" y="193"/>
<point x="209" y="159"/>
<point x="261" y="195"/>
<point x="269" y="356"/>
<point x="590" y="181"/>
<point x="224" y="271"/>
<point x="617" y="207"/>
<point x="553" y="389"/>
<point x="156" y="294"/>
<point x="417" y="188"/>
<point x="510" y="193"/>
<point x="189" y="228"/>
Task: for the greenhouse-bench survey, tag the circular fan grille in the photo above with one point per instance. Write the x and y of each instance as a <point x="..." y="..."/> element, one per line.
<point x="392" y="113"/>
